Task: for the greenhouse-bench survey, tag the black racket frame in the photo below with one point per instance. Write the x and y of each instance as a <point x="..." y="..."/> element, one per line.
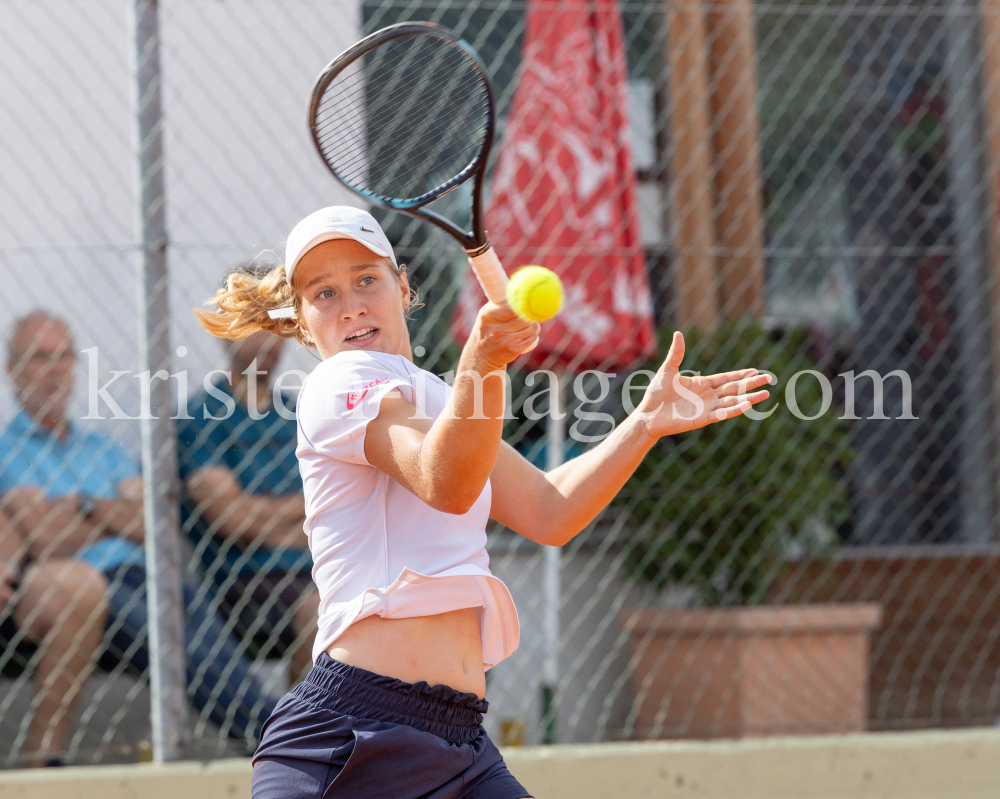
<point x="474" y="242"/>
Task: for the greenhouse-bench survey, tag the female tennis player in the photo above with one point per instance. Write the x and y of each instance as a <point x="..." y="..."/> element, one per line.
<point x="401" y="474"/>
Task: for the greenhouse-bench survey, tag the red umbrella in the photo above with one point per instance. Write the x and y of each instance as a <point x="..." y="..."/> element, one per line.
<point x="563" y="191"/>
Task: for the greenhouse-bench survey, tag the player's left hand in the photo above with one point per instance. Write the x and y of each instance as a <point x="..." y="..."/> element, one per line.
<point x="674" y="403"/>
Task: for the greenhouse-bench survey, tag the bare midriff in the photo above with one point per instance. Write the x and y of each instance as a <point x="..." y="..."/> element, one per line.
<point x="446" y="649"/>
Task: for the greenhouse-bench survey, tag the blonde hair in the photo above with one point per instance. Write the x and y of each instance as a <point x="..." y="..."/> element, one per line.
<point x="249" y="293"/>
<point x="243" y="302"/>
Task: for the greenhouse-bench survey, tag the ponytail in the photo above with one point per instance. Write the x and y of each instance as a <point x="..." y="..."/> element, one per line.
<point x="249" y="293"/>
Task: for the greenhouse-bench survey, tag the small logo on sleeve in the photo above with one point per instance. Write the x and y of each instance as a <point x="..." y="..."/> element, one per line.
<point x="354" y="397"/>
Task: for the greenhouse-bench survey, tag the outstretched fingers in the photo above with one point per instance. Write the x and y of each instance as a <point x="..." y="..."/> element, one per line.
<point x="672" y="363"/>
<point x="727" y="407"/>
<point x="721" y="414"/>
<point x="742" y="385"/>
<point x="715" y="381"/>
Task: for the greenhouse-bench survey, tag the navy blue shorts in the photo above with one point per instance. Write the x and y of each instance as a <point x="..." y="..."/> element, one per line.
<point x="348" y="733"/>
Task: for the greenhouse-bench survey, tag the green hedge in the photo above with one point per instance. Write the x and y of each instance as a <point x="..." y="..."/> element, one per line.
<point x="717" y="508"/>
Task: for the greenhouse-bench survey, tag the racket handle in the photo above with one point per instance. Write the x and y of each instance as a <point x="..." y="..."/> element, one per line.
<point x="489" y="272"/>
<point x="492" y="277"/>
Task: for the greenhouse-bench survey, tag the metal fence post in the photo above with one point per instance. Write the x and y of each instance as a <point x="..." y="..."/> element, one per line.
<point x="969" y="190"/>
<point x="555" y="437"/>
<point x="159" y="453"/>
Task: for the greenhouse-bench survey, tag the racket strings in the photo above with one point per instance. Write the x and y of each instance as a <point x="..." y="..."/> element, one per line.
<point x="328" y="118"/>
<point x="330" y="113"/>
<point x="430" y="145"/>
<point x="415" y="64"/>
<point x="444" y="132"/>
<point x="405" y="120"/>
<point x="350" y="99"/>
<point x="431" y="151"/>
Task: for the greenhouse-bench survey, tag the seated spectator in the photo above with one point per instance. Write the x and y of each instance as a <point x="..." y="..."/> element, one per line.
<point x="75" y="500"/>
<point x="52" y="599"/>
<point x="58" y="605"/>
<point x="244" y="507"/>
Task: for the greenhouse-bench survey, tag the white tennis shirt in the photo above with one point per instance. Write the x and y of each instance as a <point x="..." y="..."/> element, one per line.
<point x="376" y="547"/>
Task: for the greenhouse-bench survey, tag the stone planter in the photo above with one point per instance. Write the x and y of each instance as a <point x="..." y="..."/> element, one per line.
<point x="936" y="658"/>
<point x="733" y="672"/>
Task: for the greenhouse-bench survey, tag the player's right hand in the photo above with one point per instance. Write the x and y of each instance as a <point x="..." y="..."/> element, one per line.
<point x="499" y="336"/>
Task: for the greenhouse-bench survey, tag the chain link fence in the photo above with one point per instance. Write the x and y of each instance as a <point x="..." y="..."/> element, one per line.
<point x="817" y="193"/>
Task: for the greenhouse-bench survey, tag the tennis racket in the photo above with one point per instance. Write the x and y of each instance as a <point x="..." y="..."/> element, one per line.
<point x="402" y="118"/>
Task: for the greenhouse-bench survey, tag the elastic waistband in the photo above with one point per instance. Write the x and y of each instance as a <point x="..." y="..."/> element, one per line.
<point x="436" y="709"/>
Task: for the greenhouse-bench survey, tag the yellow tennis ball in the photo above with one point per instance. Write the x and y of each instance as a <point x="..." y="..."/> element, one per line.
<point x="535" y="293"/>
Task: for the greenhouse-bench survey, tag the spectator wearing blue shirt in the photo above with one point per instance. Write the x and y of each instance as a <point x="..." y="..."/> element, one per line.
<point x="244" y="507"/>
<point x="76" y="496"/>
<point x="51" y="598"/>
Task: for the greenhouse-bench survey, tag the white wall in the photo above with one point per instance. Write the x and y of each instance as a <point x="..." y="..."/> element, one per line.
<point x="595" y="691"/>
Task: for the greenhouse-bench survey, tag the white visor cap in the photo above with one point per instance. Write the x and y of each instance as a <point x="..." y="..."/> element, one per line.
<point x="335" y="222"/>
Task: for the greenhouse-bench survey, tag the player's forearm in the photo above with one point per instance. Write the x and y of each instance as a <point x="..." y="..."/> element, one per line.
<point x="460" y="450"/>
<point x="575" y="492"/>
